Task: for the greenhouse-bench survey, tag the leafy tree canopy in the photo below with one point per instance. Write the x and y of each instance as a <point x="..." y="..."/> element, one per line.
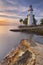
<point x="41" y="21"/>
<point x="25" y="21"/>
<point x="21" y="20"/>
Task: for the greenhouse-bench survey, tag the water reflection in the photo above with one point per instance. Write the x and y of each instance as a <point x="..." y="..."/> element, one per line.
<point x="9" y="40"/>
<point x="3" y="29"/>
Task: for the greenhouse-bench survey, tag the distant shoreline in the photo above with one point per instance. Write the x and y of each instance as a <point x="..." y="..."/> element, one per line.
<point x="29" y="29"/>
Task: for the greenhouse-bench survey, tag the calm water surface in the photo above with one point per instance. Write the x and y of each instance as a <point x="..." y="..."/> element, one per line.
<point x="9" y="40"/>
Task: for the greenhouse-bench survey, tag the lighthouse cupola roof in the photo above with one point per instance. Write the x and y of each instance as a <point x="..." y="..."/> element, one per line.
<point x="30" y="8"/>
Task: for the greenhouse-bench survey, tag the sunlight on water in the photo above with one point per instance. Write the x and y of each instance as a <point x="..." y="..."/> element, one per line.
<point x="3" y="30"/>
<point x="9" y="40"/>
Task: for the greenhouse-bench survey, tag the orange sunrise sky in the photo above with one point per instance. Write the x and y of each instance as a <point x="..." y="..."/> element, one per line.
<point x="11" y="11"/>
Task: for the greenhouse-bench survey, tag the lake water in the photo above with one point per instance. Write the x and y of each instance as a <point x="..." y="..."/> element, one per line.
<point x="9" y="40"/>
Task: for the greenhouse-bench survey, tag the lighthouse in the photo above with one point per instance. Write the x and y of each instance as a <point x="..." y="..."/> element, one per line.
<point x="30" y="15"/>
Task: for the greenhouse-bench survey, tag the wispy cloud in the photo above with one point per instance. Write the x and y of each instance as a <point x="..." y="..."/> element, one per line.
<point x="11" y="2"/>
<point x="16" y="9"/>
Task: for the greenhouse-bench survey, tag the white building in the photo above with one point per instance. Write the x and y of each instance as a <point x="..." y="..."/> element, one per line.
<point x="30" y="15"/>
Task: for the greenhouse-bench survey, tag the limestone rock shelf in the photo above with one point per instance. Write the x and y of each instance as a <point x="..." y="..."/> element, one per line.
<point x="24" y="54"/>
<point x="38" y="31"/>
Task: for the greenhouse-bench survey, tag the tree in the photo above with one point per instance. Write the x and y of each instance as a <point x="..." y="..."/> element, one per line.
<point x="21" y="20"/>
<point x="41" y="21"/>
<point x="34" y="20"/>
<point x="25" y="21"/>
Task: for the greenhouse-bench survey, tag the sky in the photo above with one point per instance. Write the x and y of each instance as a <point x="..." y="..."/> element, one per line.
<point x="13" y="10"/>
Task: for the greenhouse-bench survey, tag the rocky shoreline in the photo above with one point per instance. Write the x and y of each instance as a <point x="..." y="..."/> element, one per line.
<point x="24" y="54"/>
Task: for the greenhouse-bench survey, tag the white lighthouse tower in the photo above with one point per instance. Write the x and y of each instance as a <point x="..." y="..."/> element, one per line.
<point x="30" y="15"/>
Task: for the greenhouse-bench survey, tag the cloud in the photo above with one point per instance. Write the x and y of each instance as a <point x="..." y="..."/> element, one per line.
<point x="14" y="12"/>
<point x="11" y="15"/>
<point x="16" y="9"/>
<point x="11" y="2"/>
<point x="20" y="8"/>
<point x="41" y="14"/>
<point x="10" y="21"/>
